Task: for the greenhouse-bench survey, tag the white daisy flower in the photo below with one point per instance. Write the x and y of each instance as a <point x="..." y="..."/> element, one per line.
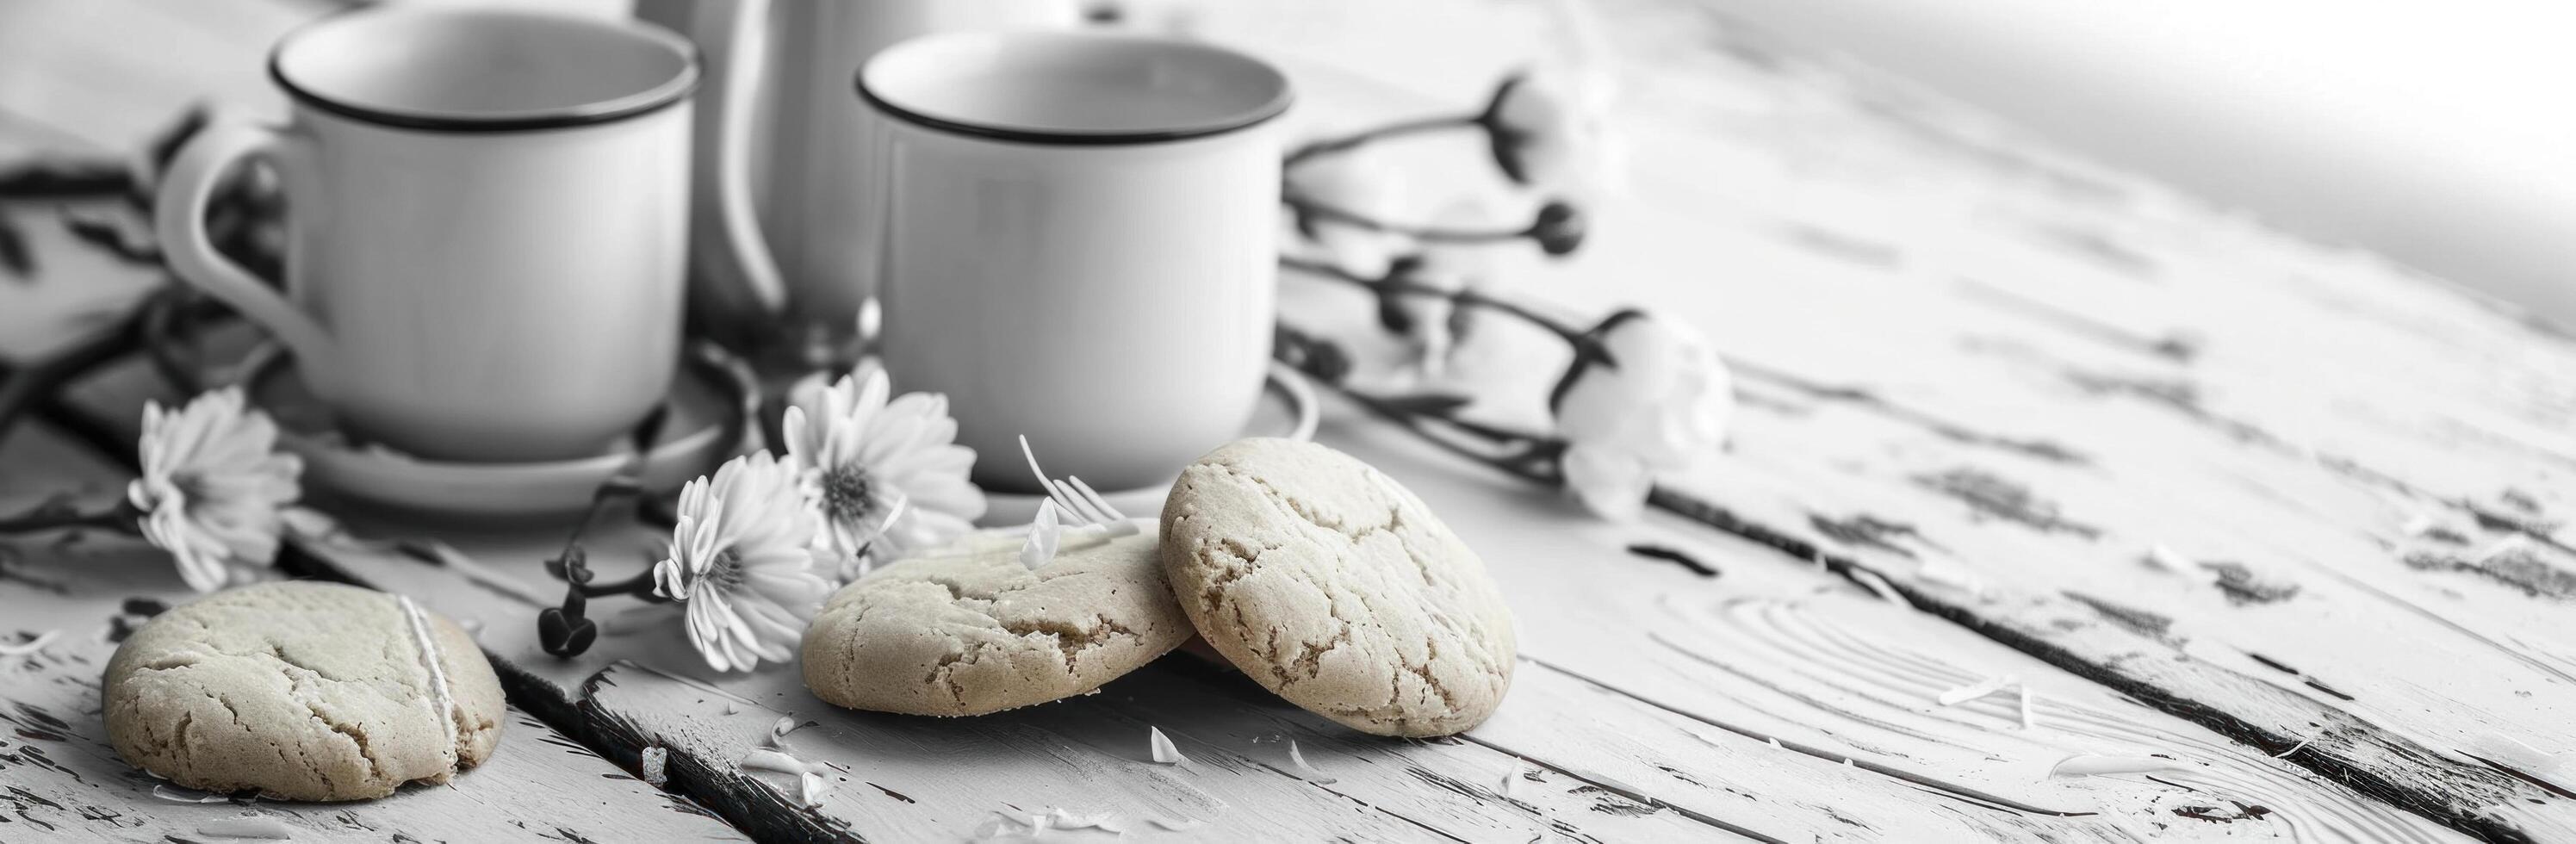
<point x="213" y="488"/>
<point x="885" y="476"/>
<point x="743" y="562"/>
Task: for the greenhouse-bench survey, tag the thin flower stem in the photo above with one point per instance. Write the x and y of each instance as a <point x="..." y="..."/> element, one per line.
<point x="1468" y="298"/>
<point x="627" y="483"/>
<point x="64" y="178"/>
<point x="1418" y="424"/>
<point x="55" y="517"/>
<point x="90" y="431"/>
<point x="1494" y="433"/>
<point x="640" y="586"/>
<point x="1431" y="233"/>
<point x="1410" y="127"/>
<point x="1533" y="461"/>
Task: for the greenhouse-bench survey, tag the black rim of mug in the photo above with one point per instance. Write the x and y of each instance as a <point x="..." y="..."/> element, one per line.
<point x="1277" y="105"/>
<point x="586" y="114"/>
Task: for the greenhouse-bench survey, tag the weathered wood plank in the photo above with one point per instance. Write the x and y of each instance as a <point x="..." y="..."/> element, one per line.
<point x="1087" y="755"/>
<point x="1955" y="346"/>
<point x="60" y="780"/>
<point x="1779" y="648"/>
<point x="1677" y="732"/>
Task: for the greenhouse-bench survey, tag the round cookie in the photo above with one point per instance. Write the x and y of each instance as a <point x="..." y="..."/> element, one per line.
<point x="1331" y="585"/>
<point x="968" y="630"/>
<point x="304" y="691"/>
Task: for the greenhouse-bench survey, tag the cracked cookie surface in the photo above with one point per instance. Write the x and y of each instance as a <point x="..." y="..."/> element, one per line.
<point x="968" y="630"/>
<point x="304" y="691"/>
<point x="1333" y="586"/>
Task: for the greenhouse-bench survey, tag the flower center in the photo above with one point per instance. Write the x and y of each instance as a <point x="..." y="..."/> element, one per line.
<point x="728" y="572"/>
<point x="188" y="489"/>
<point x="847" y="496"/>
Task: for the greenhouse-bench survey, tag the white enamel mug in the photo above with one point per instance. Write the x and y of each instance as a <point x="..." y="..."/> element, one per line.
<point x="488" y="222"/>
<point x="1079" y="243"/>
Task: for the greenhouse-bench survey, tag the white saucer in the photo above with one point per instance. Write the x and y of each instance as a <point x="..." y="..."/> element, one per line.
<point x="1288" y="410"/>
<point x="706" y="397"/>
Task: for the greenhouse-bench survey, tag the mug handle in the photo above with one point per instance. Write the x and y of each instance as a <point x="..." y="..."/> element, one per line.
<point x="180" y="224"/>
<point x="743" y="282"/>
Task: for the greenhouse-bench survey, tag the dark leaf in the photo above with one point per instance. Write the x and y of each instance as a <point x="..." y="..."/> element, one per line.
<point x="166" y="145"/>
<point x="562" y="635"/>
<point x="552" y="629"/>
<point x="583" y="634"/>
<point x="14" y="254"/>
<point x="1429" y="404"/>
<point x="63" y="179"/>
<point x="106" y="234"/>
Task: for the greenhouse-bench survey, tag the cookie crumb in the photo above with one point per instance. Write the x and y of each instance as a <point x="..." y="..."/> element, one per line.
<point x="1044" y="533"/>
<point x="1058" y="818"/>
<point x="1164" y="752"/>
<point x="179" y="794"/>
<point x="654" y="765"/>
<point x="247" y="826"/>
<point x="809" y="785"/>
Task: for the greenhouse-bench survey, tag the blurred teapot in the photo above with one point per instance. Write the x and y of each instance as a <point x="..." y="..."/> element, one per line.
<point x="785" y="215"/>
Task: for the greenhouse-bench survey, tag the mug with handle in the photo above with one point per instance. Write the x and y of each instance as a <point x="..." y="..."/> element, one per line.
<point x="487" y="217"/>
<point x="1079" y="243"/>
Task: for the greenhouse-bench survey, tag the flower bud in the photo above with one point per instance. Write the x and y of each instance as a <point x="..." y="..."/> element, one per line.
<point x="1549" y="131"/>
<point x="1559" y="228"/>
<point x="1325" y="192"/>
<point x="1644" y="395"/>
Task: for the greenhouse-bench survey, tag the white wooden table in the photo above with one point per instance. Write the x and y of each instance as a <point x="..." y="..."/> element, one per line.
<point x="1970" y="365"/>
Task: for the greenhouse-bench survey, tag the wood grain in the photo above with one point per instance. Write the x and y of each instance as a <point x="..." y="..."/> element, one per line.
<point x="1955" y="348"/>
<point x="1088" y="754"/>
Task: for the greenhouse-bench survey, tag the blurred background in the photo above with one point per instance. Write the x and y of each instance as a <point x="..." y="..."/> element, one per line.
<point x="2433" y="133"/>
